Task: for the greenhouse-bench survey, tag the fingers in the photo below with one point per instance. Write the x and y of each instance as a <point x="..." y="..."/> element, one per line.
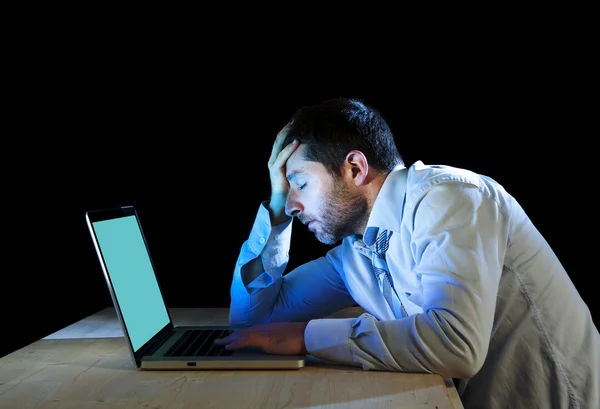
<point x="278" y="144"/>
<point x="235" y="340"/>
<point x="277" y="338"/>
<point x="284" y="155"/>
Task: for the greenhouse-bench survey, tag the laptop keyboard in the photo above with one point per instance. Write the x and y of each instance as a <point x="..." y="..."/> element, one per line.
<point x="199" y="342"/>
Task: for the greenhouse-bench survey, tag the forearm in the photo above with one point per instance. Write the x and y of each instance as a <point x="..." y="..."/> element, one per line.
<point x="312" y="290"/>
<point x="261" y="294"/>
<point x="257" y="276"/>
<point x="268" y="245"/>
<point x="254" y="302"/>
<point x="432" y="342"/>
<point x="251" y="270"/>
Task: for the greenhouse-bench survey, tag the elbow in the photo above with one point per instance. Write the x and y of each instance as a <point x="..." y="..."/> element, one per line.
<point x="460" y="367"/>
<point x="464" y="359"/>
<point x="237" y="323"/>
<point x="239" y="320"/>
<point x="463" y="348"/>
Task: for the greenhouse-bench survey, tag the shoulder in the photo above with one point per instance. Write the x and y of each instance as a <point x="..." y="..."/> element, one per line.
<point x="422" y="177"/>
<point x="449" y="182"/>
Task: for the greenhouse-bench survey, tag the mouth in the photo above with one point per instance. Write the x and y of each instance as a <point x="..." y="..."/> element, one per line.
<point x="308" y="223"/>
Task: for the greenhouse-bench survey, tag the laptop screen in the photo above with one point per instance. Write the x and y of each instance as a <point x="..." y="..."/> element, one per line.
<point x="133" y="279"/>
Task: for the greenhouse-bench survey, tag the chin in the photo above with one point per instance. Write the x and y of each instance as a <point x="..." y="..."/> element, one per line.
<point x="326" y="239"/>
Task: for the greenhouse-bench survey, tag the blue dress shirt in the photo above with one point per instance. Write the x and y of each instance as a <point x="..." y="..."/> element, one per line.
<point x="488" y="302"/>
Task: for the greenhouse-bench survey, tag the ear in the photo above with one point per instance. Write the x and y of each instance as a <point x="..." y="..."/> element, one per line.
<point x="356" y="168"/>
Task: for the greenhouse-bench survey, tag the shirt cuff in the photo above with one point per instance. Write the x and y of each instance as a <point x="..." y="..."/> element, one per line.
<point x="260" y="230"/>
<point x="329" y="339"/>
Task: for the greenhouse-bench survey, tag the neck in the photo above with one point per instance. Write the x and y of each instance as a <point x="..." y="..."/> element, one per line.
<point x="370" y="190"/>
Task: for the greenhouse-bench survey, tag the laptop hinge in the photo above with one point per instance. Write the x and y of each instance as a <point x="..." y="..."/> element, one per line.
<point x="152" y="346"/>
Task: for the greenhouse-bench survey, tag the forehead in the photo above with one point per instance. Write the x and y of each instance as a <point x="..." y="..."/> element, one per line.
<point x="297" y="165"/>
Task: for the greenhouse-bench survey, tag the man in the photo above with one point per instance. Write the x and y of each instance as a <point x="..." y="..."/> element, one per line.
<point x="454" y="277"/>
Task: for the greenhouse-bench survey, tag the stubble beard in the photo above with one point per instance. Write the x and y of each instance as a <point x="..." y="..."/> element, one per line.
<point x="343" y="212"/>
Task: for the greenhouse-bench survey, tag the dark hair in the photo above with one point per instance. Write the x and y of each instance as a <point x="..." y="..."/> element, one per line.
<point x="334" y="127"/>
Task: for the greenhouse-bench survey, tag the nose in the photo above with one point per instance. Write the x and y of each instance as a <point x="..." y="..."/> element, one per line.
<point x="292" y="206"/>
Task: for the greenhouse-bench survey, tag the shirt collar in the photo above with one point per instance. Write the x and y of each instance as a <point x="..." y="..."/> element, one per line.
<point x="389" y="205"/>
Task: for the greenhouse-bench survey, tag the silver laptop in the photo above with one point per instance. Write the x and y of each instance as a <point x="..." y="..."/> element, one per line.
<point x="153" y="340"/>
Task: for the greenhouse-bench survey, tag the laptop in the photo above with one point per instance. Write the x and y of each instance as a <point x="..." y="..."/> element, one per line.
<point x="153" y="340"/>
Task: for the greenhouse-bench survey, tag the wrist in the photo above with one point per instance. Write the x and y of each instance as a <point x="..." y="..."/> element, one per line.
<point x="276" y="208"/>
<point x="304" y="350"/>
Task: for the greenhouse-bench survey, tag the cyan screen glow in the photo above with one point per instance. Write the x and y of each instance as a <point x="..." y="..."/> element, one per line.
<point x="133" y="279"/>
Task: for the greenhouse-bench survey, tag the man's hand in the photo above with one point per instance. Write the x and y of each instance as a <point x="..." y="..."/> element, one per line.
<point x="279" y="184"/>
<point x="282" y="338"/>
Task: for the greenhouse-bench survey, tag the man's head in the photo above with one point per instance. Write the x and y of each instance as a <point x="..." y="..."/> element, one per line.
<point x="331" y="129"/>
<point x="346" y="150"/>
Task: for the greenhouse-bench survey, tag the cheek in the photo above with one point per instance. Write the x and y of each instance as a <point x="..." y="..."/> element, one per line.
<point x="320" y="202"/>
<point x="315" y="199"/>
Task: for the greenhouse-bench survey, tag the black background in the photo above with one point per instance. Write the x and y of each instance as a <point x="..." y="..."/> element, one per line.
<point x="184" y="134"/>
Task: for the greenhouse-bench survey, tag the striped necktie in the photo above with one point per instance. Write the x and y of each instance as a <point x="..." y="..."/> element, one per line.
<point x="383" y="274"/>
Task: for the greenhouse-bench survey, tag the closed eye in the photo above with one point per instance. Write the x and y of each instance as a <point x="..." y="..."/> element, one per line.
<point x="302" y="187"/>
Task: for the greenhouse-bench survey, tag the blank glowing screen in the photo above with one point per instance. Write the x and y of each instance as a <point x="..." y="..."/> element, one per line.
<point x="133" y="279"/>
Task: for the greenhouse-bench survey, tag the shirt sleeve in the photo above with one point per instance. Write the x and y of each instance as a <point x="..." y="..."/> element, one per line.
<point x="458" y="245"/>
<point x="314" y="289"/>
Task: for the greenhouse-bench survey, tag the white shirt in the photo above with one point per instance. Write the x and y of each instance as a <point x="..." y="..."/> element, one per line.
<point x="489" y="303"/>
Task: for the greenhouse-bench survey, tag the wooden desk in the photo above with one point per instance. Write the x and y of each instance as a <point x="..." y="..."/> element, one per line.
<point x="86" y="365"/>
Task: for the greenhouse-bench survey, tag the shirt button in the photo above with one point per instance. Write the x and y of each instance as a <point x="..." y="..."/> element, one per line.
<point x="276" y="237"/>
<point x="262" y="240"/>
